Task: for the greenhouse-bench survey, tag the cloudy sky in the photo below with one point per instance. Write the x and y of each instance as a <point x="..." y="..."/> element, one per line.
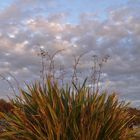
<point x="99" y="27"/>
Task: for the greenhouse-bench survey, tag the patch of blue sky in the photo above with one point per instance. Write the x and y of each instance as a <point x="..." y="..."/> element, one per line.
<point x="76" y="7"/>
<point x="5" y="3"/>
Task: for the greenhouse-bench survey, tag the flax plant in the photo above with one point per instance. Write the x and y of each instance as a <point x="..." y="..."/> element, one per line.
<point x="51" y="112"/>
<point x="74" y="111"/>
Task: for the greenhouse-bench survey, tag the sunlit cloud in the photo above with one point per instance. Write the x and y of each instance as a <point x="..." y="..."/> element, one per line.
<point x="25" y="27"/>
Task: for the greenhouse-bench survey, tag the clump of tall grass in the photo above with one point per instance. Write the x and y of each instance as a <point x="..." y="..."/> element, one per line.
<point x="71" y="112"/>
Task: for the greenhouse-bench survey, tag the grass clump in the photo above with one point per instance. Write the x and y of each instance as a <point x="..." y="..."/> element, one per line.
<point x="51" y="112"/>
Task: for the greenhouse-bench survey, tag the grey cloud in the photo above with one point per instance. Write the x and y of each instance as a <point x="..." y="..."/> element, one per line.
<point x="117" y="36"/>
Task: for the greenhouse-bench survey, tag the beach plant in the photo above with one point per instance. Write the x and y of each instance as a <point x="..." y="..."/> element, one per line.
<point x="48" y="110"/>
<point x="70" y="112"/>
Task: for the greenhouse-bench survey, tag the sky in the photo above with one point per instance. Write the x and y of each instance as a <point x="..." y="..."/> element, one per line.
<point x="108" y="27"/>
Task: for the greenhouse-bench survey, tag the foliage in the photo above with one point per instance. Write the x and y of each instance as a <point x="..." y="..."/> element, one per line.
<point x="135" y="112"/>
<point x="67" y="113"/>
<point x="53" y="110"/>
<point x="5" y="106"/>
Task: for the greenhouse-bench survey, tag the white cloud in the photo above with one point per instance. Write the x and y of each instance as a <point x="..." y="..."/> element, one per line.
<point x="118" y="36"/>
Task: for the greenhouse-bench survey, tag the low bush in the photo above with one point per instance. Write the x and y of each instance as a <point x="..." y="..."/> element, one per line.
<point x="72" y="112"/>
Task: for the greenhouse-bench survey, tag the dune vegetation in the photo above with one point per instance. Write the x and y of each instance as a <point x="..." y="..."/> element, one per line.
<point x="73" y="111"/>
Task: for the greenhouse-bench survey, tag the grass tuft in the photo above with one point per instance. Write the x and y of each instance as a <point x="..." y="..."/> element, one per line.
<point x="51" y="112"/>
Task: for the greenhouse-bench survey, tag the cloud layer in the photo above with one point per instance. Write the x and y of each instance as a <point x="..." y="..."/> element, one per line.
<point x="26" y="25"/>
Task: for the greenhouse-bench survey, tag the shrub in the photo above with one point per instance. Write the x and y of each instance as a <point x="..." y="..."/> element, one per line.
<point x="66" y="113"/>
<point x="5" y="106"/>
